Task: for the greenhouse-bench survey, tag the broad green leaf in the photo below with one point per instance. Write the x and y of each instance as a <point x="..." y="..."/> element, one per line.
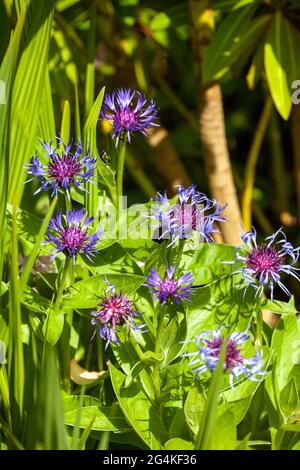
<point x="281" y="62"/>
<point x="87" y="293"/>
<point x="224" y="431"/>
<point x="108" y="418"/>
<point x="207" y="263"/>
<point x="279" y="307"/>
<point x="127" y="358"/>
<point x="137" y="368"/>
<point x="34" y="301"/>
<point x="138" y="410"/>
<point x="289" y="397"/>
<point x="286" y="342"/>
<point x="53" y="326"/>
<point x="224" y="48"/>
<point x="171" y="345"/>
<point x="178" y="444"/>
<point x="193" y="408"/>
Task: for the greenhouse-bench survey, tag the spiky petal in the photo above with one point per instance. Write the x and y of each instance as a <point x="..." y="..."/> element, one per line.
<point x="114" y="310"/>
<point x="129" y="112"/>
<point x="70" y="234"/>
<point x="209" y="345"/>
<point x="168" y="289"/>
<point x="192" y="212"/>
<point x="64" y="168"/>
<point x="263" y="265"/>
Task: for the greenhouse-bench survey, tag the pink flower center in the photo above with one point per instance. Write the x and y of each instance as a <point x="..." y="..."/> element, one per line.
<point x="233" y="354"/>
<point x="115" y="309"/>
<point x="125" y="118"/>
<point x="263" y="259"/>
<point x="187" y="215"/>
<point x="65" y="167"/>
<point x="73" y="237"/>
<point x="169" y="287"/>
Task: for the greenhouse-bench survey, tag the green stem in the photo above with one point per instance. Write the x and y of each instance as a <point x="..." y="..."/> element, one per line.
<point x="157" y="350"/>
<point x="68" y="203"/>
<point x="120" y="172"/>
<point x="64" y="344"/>
<point x="180" y="251"/>
<point x="259" y="324"/>
<point x="136" y="348"/>
<point x="62" y="283"/>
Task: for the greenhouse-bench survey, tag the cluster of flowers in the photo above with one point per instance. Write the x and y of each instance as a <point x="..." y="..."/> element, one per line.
<point x="193" y="212"/>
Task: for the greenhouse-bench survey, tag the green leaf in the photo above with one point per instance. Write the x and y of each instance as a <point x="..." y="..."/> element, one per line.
<point x="127" y="358"/>
<point x="289" y="397"/>
<point x="224" y="431"/>
<point x="281" y="62"/>
<point x="138" y="410"/>
<point x="34" y="301"/>
<point x="207" y="263"/>
<point x="102" y="418"/>
<point x="178" y="444"/>
<point x="193" y="408"/>
<point x="66" y="123"/>
<point x="27" y="92"/>
<point x="285" y="342"/>
<point x="137" y="368"/>
<point x="279" y="307"/>
<point x="170" y="343"/>
<point x="234" y="34"/>
<point x="86" y="293"/>
<point x="53" y="326"/>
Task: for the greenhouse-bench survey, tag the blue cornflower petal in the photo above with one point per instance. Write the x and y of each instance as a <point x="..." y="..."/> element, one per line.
<point x="129" y="112"/>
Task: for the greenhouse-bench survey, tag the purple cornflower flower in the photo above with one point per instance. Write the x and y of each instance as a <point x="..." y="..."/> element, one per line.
<point x="114" y="310"/>
<point x="63" y="168"/>
<point x="206" y="358"/>
<point x="192" y="211"/>
<point x="129" y="112"/>
<point x="262" y="265"/>
<point x="168" y="289"/>
<point x="70" y="234"/>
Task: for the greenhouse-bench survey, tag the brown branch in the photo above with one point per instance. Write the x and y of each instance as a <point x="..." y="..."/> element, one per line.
<point x="167" y="162"/>
<point x="211" y="123"/>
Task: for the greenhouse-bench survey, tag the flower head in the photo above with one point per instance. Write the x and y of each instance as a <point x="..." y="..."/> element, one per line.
<point x="263" y="265"/>
<point x="63" y="169"/>
<point x="168" y="289"/>
<point x="114" y="310"/>
<point x="70" y="234"/>
<point x="192" y="212"/>
<point x="209" y="345"/>
<point x="129" y="112"/>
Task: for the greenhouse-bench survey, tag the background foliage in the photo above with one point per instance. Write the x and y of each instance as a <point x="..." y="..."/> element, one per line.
<point x="56" y="57"/>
